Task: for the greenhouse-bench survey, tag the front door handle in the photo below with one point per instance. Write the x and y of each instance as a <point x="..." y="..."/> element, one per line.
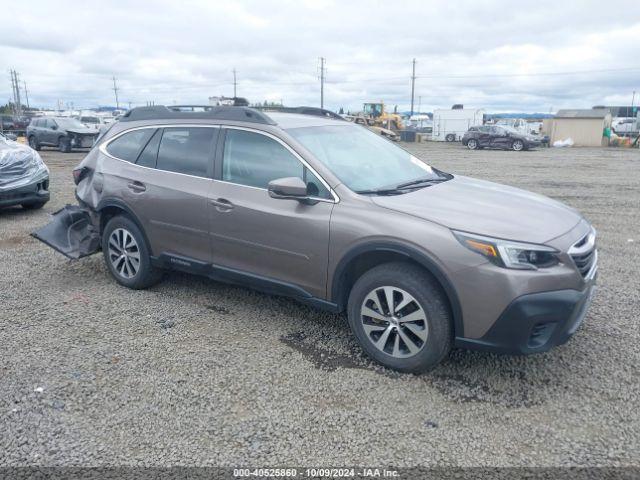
<point x="137" y="187"/>
<point x="222" y="204"/>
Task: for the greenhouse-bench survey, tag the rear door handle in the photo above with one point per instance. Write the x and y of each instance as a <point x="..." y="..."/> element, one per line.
<point x="222" y="204"/>
<point x="137" y="187"/>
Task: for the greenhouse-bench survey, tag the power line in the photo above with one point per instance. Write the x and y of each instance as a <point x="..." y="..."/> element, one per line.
<point x="115" y="91"/>
<point x="534" y="74"/>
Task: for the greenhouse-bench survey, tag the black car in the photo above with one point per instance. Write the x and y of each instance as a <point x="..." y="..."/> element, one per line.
<point x="7" y="122"/>
<point x="498" y="136"/>
<point x="24" y="178"/>
<point x="62" y="132"/>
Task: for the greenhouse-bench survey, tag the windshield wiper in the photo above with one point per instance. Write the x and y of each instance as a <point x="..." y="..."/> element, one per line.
<point x="420" y="181"/>
<point x="381" y="191"/>
<point x="404" y="187"/>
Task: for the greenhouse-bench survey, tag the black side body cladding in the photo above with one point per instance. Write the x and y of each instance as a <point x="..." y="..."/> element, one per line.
<point x="240" y="278"/>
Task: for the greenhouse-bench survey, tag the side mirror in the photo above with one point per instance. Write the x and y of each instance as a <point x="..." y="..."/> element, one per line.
<point x="54" y="127"/>
<point x="288" y="188"/>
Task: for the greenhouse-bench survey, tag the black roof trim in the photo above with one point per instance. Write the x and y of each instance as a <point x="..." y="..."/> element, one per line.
<point x="315" y="111"/>
<point x="161" y="112"/>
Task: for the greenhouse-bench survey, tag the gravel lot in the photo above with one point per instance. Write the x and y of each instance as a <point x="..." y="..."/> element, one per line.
<point x="197" y="372"/>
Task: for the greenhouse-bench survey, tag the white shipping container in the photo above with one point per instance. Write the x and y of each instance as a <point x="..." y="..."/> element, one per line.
<point x="451" y="125"/>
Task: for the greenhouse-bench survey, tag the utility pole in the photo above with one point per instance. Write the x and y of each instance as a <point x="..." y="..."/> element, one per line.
<point x="633" y="98"/>
<point x="15" y="86"/>
<point x="322" y="60"/>
<point x="413" y="84"/>
<point x="115" y="91"/>
<point x="26" y="93"/>
<point x="235" y="84"/>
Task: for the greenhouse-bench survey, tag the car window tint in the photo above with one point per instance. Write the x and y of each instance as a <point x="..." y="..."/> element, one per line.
<point x="186" y="150"/>
<point x="253" y="159"/>
<point x="148" y="156"/>
<point x="127" y="146"/>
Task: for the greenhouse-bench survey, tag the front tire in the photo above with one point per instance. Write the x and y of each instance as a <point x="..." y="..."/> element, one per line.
<point x="127" y="255"/>
<point x="517" y="145"/>
<point x="33" y="143"/>
<point x="472" y="144"/>
<point x="400" y="317"/>
<point x="64" y="145"/>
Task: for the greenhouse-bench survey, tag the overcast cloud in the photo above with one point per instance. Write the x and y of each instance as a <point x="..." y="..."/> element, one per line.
<point x="503" y="56"/>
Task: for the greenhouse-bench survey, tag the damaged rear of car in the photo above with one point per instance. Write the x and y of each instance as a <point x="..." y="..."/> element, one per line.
<point x="24" y="178"/>
<point x="75" y="230"/>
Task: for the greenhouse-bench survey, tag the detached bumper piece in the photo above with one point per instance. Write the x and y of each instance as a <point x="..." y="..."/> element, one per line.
<point x="535" y="323"/>
<point x="71" y="232"/>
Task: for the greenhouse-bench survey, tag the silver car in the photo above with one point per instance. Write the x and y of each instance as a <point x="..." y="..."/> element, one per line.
<point x="337" y="217"/>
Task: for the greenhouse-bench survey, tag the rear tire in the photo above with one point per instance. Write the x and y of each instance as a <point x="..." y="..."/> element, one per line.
<point x="127" y="255"/>
<point x="414" y="335"/>
<point x="450" y="137"/>
<point x="33" y="143"/>
<point x="517" y="145"/>
<point x="33" y="206"/>
<point x="64" y="145"/>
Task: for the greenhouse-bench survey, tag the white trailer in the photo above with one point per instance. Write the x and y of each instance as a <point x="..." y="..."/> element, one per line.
<point x="451" y="125"/>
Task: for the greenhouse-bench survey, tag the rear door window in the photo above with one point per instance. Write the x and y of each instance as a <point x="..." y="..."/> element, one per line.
<point x="150" y="153"/>
<point x="187" y="150"/>
<point x="128" y="146"/>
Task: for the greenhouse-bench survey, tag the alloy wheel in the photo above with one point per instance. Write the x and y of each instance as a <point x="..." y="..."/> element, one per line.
<point x="394" y="322"/>
<point x="518" y="145"/>
<point x="124" y="253"/>
<point x="472" y="144"/>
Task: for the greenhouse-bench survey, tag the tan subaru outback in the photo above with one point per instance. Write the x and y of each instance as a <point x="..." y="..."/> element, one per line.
<point x="331" y="214"/>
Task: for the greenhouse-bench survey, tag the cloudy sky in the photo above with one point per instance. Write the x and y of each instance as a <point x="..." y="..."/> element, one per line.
<point x="501" y="55"/>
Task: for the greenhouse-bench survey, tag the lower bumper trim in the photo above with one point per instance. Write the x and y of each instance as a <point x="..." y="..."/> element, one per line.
<point x="535" y="322"/>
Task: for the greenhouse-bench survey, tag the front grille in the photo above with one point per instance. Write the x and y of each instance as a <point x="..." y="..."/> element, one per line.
<point x="585" y="254"/>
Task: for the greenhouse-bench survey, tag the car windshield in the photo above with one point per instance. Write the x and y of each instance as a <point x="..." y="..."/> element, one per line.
<point x="69" y="123"/>
<point x="508" y="128"/>
<point x="361" y="159"/>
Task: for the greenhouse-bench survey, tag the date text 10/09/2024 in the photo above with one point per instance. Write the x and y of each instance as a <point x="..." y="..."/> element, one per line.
<point x="316" y="472"/>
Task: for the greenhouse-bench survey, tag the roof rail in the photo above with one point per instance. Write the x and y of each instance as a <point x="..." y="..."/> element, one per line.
<point x="315" y="111"/>
<point x="160" y="112"/>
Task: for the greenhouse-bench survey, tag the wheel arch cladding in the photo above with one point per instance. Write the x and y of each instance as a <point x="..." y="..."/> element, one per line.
<point x="110" y="208"/>
<point x="364" y="257"/>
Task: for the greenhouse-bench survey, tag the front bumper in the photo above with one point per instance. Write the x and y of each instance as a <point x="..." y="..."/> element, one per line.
<point x="34" y="192"/>
<point x="535" y="322"/>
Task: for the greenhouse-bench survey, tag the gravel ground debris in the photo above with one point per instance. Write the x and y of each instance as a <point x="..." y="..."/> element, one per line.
<point x="194" y="372"/>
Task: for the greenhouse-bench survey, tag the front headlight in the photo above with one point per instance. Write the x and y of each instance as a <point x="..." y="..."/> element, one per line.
<point x="508" y="254"/>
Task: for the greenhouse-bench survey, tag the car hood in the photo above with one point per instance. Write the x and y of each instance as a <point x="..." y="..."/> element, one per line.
<point x="486" y="208"/>
<point x="82" y="131"/>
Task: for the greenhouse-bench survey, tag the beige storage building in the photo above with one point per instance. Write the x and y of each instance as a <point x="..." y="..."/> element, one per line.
<point x="584" y="127"/>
